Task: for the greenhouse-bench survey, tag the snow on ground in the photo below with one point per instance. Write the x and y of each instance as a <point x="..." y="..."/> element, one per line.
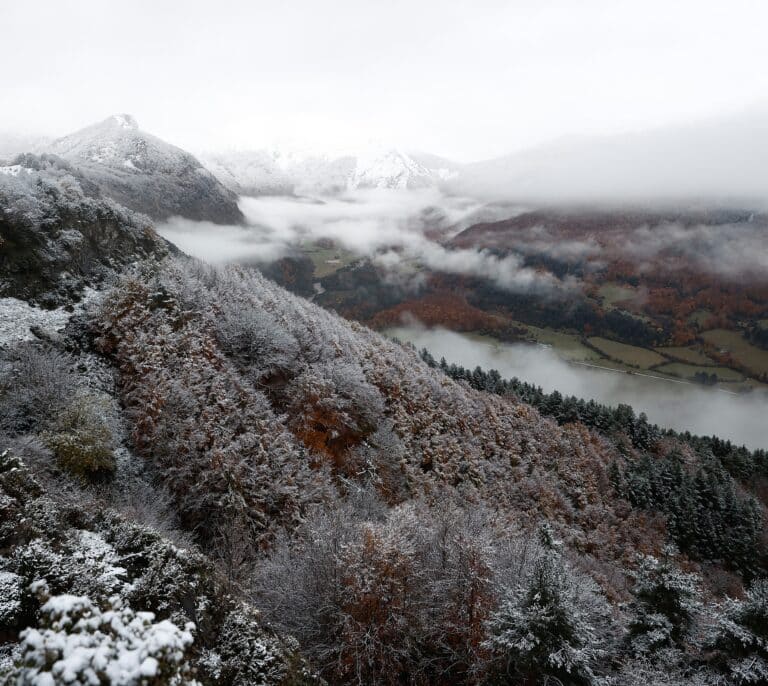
<point x="17" y="316"/>
<point x="14" y="170"/>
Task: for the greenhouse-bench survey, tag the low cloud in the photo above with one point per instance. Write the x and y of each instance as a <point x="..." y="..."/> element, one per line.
<point x="219" y="244"/>
<point x="723" y="158"/>
<point x="731" y="250"/>
<point x="668" y="403"/>
<point x="396" y="229"/>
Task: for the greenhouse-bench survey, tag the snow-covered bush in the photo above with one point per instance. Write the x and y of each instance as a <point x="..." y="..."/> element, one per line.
<point x="35" y="381"/>
<point x="741" y="635"/>
<point x="664" y="605"/>
<point x="80" y="643"/>
<point x="11" y="594"/>
<point x="247" y="655"/>
<point x="550" y="624"/>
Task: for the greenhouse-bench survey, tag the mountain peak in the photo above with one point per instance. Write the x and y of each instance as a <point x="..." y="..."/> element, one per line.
<point x="123" y="121"/>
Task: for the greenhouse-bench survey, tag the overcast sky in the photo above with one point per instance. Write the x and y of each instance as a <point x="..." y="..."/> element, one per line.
<point x="467" y="80"/>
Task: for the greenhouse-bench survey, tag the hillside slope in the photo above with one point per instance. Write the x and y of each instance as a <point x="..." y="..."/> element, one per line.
<point x="407" y="523"/>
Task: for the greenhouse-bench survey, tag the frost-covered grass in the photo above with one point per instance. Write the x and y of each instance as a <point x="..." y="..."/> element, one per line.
<point x="17" y="316"/>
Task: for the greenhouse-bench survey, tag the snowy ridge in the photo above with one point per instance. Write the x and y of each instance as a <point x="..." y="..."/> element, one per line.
<point x="145" y="173"/>
<point x="118" y="141"/>
<point x="286" y="169"/>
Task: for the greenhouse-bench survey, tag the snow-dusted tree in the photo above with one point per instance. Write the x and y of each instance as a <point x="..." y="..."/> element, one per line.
<point x="255" y="337"/>
<point x="333" y="407"/>
<point x="550" y="625"/>
<point x="742" y="636"/>
<point x="81" y="644"/>
<point x="664" y="604"/>
<point x="662" y="669"/>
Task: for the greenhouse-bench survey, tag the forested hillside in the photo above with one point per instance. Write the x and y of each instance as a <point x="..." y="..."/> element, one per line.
<point x="300" y="475"/>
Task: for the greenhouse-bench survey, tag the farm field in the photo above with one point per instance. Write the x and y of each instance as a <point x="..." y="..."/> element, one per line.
<point x="612" y="293"/>
<point x="688" y="371"/>
<point x="689" y="355"/>
<point x="328" y="260"/>
<point x="746" y="354"/>
<point x="628" y="354"/>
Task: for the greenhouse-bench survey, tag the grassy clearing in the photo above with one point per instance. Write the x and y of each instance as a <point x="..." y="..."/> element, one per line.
<point x="699" y="317"/>
<point x="328" y="260"/>
<point x="628" y="354"/>
<point x="740" y="349"/>
<point x="690" y="355"/>
<point x="566" y="345"/>
<point x="612" y="293"/>
<point x="688" y="371"/>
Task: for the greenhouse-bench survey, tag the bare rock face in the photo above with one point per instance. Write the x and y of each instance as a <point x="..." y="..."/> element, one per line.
<point x="146" y="174"/>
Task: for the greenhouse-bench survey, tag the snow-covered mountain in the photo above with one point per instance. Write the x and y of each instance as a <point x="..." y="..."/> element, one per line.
<point x="145" y="173"/>
<point x="285" y="170"/>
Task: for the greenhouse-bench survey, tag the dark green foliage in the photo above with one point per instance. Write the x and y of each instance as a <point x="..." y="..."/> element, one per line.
<point x="706" y="515"/>
<point x="664" y="604"/>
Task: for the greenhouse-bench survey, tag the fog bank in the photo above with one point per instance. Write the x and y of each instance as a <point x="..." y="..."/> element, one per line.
<point x="393" y="228"/>
<point x="667" y="403"/>
<point x="722" y="159"/>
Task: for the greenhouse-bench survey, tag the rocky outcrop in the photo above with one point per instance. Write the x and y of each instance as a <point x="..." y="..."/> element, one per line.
<point x="58" y="236"/>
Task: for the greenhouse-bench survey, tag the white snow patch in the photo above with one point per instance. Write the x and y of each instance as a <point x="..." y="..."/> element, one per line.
<point x="16" y="316"/>
<point x="14" y="170"/>
<point x="80" y="641"/>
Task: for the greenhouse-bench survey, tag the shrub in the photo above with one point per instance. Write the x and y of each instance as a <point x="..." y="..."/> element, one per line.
<point x="35" y="381"/>
<point x="81" y="643"/>
<point x="81" y="439"/>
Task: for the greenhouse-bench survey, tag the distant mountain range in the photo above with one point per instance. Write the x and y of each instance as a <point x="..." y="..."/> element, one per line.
<point x="715" y="161"/>
<point x="274" y="170"/>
